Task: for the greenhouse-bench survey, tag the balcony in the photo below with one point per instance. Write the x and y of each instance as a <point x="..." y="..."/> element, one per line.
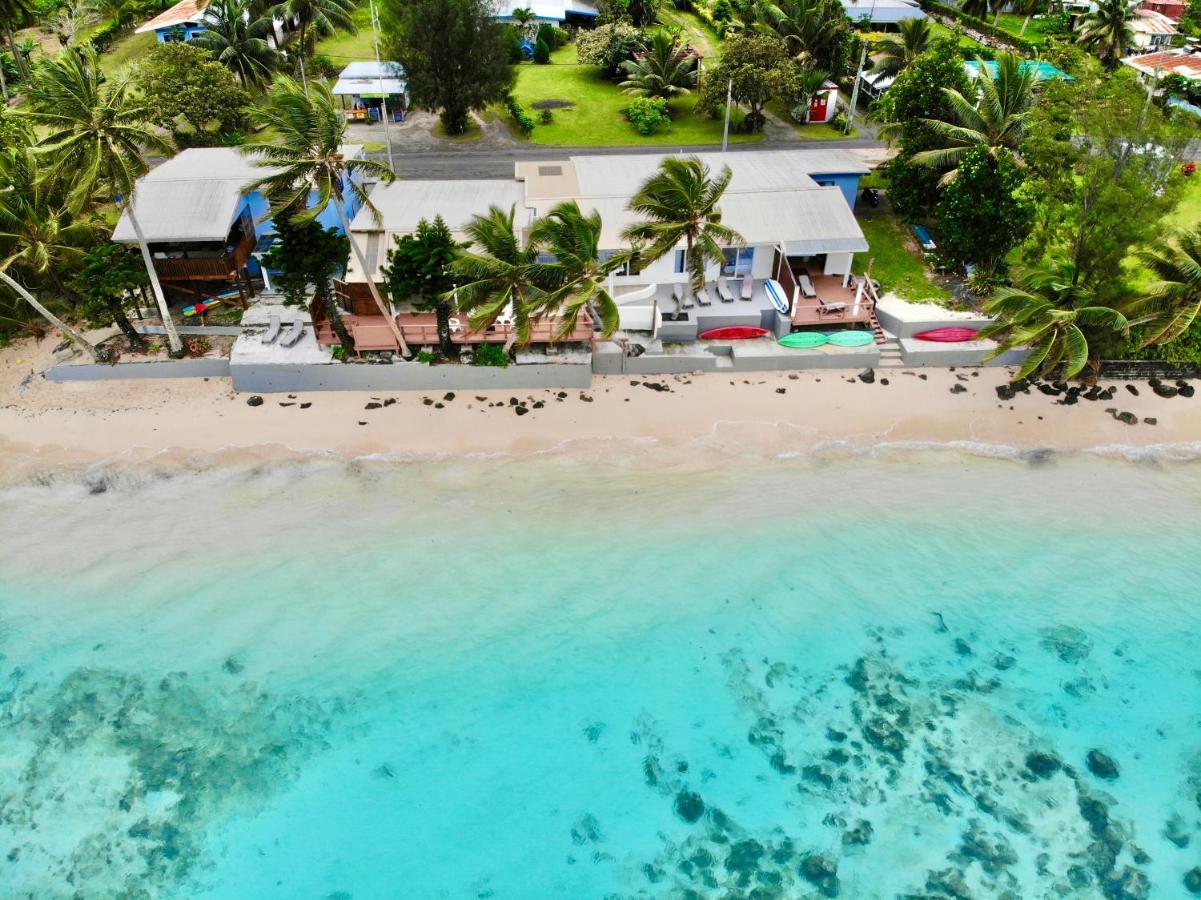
<point x="225" y="267"/>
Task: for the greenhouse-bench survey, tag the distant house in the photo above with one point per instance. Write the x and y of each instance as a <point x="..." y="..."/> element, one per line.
<point x="1185" y="63"/>
<point x="201" y="222"/>
<point x="883" y="14"/>
<point x="1173" y="9"/>
<point x="1152" y="30"/>
<point x="823" y="105"/>
<point x="556" y="12"/>
<point x="364" y="88"/>
<point x="186" y="19"/>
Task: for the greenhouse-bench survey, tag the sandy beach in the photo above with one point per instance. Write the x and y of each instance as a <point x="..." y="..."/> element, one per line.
<point x="686" y="420"/>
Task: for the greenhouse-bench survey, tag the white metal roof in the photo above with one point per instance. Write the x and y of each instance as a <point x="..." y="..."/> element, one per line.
<point x="366" y="77"/>
<point x="882" y="12"/>
<point x="180" y="14"/>
<point x="555" y="10"/>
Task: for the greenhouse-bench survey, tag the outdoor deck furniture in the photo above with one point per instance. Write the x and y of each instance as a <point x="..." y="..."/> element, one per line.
<point x="748" y="287"/>
<point x="292" y="336"/>
<point x="806" y="284"/>
<point x="825" y="308"/>
<point x="702" y="297"/>
<point x="455" y="325"/>
<point x="723" y="290"/>
<point x="272" y="331"/>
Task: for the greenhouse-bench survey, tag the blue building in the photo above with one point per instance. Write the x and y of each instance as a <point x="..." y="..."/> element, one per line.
<point x="202" y="222"/>
<point x="186" y="19"/>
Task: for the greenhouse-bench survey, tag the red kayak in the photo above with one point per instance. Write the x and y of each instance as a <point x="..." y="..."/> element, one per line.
<point x="734" y="333"/>
<point x="947" y="335"/>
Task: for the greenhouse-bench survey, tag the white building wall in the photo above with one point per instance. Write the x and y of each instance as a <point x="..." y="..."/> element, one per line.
<point x="838" y="263"/>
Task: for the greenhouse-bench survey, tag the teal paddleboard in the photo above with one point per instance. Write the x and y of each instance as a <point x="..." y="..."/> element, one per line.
<point x="803" y="339"/>
<point x="851" y="338"/>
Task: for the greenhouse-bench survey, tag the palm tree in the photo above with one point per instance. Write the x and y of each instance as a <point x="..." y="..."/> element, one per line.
<point x="679" y="203"/>
<point x="575" y="280"/>
<point x="39" y="232"/>
<point x="321" y="17"/>
<point x="308" y="161"/>
<point x="813" y="29"/>
<point x="523" y="17"/>
<point x="1006" y="102"/>
<point x="914" y="37"/>
<point x="115" y="11"/>
<point x="1052" y="316"/>
<point x="238" y="42"/>
<point x="1107" y="30"/>
<point x="1174" y="301"/>
<point x="661" y="71"/>
<point x="97" y="131"/>
<point x="14" y="13"/>
<point x="501" y="276"/>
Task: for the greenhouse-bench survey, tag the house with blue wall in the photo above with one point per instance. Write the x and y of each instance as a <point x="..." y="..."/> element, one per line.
<point x="203" y="222"/>
<point x="186" y="19"/>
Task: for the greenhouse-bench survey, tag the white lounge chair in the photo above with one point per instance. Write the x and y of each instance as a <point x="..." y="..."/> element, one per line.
<point x="292" y="336"/>
<point x="455" y="325"/>
<point x="748" y="287"/>
<point x="702" y="297"/>
<point x="272" y="331"/>
<point x="723" y="290"/>
<point x="806" y="285"/>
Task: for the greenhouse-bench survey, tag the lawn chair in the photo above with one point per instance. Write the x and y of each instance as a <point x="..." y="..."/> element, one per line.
<point x="748" y="287"/>
<point x="272" y="331"/>
<point x="723" y="290"/>
<point x="293" y="335"/>
<point x="702" y="297"/>
<point x="806" y="284"/>
<point x="825" y="308"/>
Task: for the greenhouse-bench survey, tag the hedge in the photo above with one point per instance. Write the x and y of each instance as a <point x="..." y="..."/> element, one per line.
<point x="983" y="27"/>
<point x="525" y="124"/>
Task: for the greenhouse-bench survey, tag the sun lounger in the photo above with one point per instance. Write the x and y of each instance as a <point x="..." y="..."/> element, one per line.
<point x="292" y="336"/>
<point x="824" y="308"/>
<point x="723" y="290"/>
<point x="272" y="331"/>
<point x="806" y="284"/>
<point x="748" y="287"/>
<point x="702" y="297"/>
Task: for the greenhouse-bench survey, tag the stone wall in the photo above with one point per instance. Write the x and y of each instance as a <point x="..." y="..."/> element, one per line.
<point x="209" y="367"/>
<point x="406" y="376"/>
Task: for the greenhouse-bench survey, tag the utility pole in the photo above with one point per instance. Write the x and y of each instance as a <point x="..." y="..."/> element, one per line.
<point x="725" y="132"/>
<point x="855" y="89"/>
<point x="383" y="95"/>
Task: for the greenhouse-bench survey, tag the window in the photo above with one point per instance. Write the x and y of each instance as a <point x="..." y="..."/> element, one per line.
<point x="545" y="258"/>
<point x="681" y="262"/>
<point x="823" y="183"/>
<point x="625" y="270"/>
<point x="738" y="260"/>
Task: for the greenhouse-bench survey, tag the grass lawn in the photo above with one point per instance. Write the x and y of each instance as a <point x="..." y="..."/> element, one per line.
<point x="124" y="53"/>
<point x="598" y="117"/>
<point x="898" y="264"/>
<point x="1187" y="214"/>
<point x="821" y="132"/>
<point x="696" y="31"/>
<point x="942" y="31"/>
<point x="1036" y="31"/>
<point x="344" y="48"/>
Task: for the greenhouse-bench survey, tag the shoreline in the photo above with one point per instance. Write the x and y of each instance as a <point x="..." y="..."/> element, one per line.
<point x="644" y="422"/>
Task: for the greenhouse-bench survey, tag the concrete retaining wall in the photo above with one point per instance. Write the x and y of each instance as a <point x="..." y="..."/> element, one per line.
<point x="906" y="319"/>
<point x="267" y="378"/>
<point x="193" y="330"/>
<point x="930" y="353"/>
<point x="216" y="367"/>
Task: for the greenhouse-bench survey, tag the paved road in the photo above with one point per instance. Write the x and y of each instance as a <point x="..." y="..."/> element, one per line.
<point x="454" y="163"/>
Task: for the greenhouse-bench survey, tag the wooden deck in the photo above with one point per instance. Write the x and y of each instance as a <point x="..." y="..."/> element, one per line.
<point x="218" y="268"/>
<point x="823" y="309"/>
<point x="421" y="329"/>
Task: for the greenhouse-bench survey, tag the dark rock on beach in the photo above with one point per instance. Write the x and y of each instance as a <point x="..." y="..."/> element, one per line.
<point x="374" y="405"/>
<point x="1186" y="390"/>
<point x="255" y="401"/>
<point x="1165" y="391"/>
<point x="958" y="389"/>
<point x="867" y="376"/>
<point x="1102" y="765"/>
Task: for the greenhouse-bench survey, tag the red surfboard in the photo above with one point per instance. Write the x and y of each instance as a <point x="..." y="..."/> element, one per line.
<point x="734" y="333"/>
<point x="947" y="335"/>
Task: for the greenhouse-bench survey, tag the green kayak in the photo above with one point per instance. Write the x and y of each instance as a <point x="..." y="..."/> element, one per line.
<point x="851" y="338"/>
<point x="799" y="340"/>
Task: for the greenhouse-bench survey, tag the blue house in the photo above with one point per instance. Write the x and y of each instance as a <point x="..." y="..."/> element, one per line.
<point x="186" y="19"/>
<point x="202" y="222"/>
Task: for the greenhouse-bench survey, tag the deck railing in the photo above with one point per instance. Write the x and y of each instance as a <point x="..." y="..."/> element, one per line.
<point x="228" y="265"/>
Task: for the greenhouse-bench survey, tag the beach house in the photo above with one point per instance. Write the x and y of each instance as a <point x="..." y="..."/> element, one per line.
<point x="882" y="15"/>
<point x="792" y="207"/>
<point x="202" y="222"/>
<point x="1152" y="30"/>
<point x="186" y="19"/>
<point x="554" y="12"/>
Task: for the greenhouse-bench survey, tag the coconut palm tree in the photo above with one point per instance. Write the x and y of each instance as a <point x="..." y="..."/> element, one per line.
<point x="308" y="163"/>
<point x="318" y="18"/>
<point x="661" y="71"/>
<point x="914" y="37"/>
<point x="238" y="41"/>
<point x="13" y="14"/>
<point x="115" y="11"/>
<point x="575" y="280"/>
<point x="499" y="275"/>
<point x="1174" y="301"/>
<point x="97" y="131"/>
<point x="1052" y="316"/>
<point x="523" y="18"/>
<point x="1107" y="30"/>
<point x="40" y="232"/>
<point x="679" y="204"/>
<point x="998" y="122"/>
<point x="814" y="30"/>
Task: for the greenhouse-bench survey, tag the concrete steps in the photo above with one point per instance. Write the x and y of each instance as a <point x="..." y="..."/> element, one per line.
<point x="890" y="353"/>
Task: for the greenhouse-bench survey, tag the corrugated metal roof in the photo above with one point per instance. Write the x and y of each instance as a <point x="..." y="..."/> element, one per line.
<point x="1148" y="21"/>
<point x="1164" y="63"/>
<point x="184" y="11"/>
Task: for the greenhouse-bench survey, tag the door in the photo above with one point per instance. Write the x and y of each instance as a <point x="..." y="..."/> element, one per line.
<point x="818" y="106"/>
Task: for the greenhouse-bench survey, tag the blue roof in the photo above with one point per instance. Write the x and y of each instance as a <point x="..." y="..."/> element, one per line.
<point x="1044" y="70"/>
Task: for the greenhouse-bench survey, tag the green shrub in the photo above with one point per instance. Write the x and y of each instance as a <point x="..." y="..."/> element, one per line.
<point x="541" y="52"/>
<point x="546" y="117"/>
<point x="338" y="352"/>
<point x="512" y="40"/>
<point x="425" y="356"/>
<point x="325" y="66"/>
<point x="648" y="114"/>
<point x="546" y="34"/>
<point x="562" y="37"/>
<point x="520" y="117"/>
<point x="493" y="355"/>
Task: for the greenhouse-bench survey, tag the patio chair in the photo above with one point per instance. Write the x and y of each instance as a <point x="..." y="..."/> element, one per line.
<point x="723" y="290"/>
<point x="293" y="335"/>
<point x="702" y="297"/>
<point x="748" y="287"/>
<point x="806" y="284"/>
<point x="272" y="331"/>
<point x="825" y="308"/>
<point x="455" y="325"/>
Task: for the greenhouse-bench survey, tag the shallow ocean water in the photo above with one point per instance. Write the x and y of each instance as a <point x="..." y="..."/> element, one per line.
<point x="869" y="677"/>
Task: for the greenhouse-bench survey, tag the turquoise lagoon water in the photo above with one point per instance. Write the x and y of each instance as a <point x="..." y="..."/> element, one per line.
<point x="870" y="677"/>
